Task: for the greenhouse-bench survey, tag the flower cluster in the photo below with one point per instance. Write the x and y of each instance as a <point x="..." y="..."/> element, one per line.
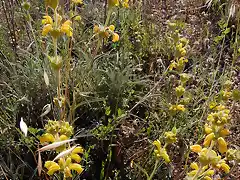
<point x="105" y="32"/>
<point x="56" y="28"/>
<point x="180" y="53"/>
<point x="57" y="131"/>
<point x="180" y="93"/>
<point x="66" y="164"/>
<point x="215" y="145"/>
<point x="160" y="151"/>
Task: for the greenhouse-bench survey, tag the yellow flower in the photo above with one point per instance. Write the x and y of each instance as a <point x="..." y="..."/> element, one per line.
<point x="192" y="173"/>
<point x="63" y="137"/>
<point x="225" y="167"/>
<point x="194" y="166"/>
<point x="78" y="150"/>
<point x="68" y="161"/>
<point x="112" y="3"/>
<point x="52" y="167"/>
<point x="161" y="152"/>
<point x="207" y="178"/>
<point x="46" y="138"/>
<point x="46" y="29"/>
<point x="207" y="129"/>
<point x="180" y="107"/>
<point x="170" y="137"/>
<point x="222" y="145"/>
<point x="224" y="132"/>
<point x="208" y="139"/>
<point x="157" y="143"/>
<point x="67" y="172"/>
<point x="76" y="167"/>
<point x="125" y="4"/>
<point x="115" y="37"/>
<point x="112" y="27"/>
<point x="209" y="172"/>
<point x="77" y="1"/>
<point x="76" y="157"/>
<point x="180" y="90"/>
<point x="61" y="162"/>
<point x="66" y="28"/>
<point x="183" y="52"/>
<point x="196" y="148"/>
<point x="96" y="29"/>
<point x="47" y="20"/>
<point x="165" y="156"/>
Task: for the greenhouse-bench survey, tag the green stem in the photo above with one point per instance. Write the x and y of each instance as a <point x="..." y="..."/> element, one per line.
<point x="108" y="17"/>
<point x="33" y="34"/>
<point x="154" y="170"/>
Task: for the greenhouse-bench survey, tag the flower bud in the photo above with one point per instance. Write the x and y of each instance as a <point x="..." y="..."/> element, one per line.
<point x="222" y="145"/>
<point x="208" y="139"/>
<point x="196" y="148"/>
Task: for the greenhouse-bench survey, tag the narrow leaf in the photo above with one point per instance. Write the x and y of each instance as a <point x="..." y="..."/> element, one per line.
<point x="55" y="145"/>
<point x="46" y="79"/>
<point x="39" y="166"/>
<point x="64" y="153"/>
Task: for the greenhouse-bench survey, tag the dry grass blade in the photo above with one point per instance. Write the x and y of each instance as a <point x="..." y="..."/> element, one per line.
<point x="39" y="166"/>
<point x="55" y="145"/>
<point x="46" y="109"/>
<point x="64" y="153"/>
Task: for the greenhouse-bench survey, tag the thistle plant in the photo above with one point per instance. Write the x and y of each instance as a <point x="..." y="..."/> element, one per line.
<point x="58" y="133"/>
<point x="214" y="154"/>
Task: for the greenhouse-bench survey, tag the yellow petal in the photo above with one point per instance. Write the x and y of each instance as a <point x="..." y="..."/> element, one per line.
<point x="196" y="148"/>
<point x="76" y="158"/>
<point x="96" y="29"/>
<point x="53" y="169"/>
<point x="67" y="172"/>
<point x="192" y="173"/>
<point x="61" y="162"/>
<point x="225" y="167"/>
<point x="207" y="129"/>
<point x="222" y="145"/>
<point x="224" y="132"/>
<point x="207" y="178"/>
<point x="208" y="139"/>
<point x="112" y="3"/>
<point x="112" y="27"/>
<point x="76" y="167"/>
<point x="47" y="20"/>
<point x="157" y="143"/>
<point x="46" y="138"/>
<point x="165" y="156"/>
<point x="78" y="150"/>
<point x="46" y="29"/>
<point x="63" y="137"/>
<point x="115" y="37"/>
<point x="48" y="164"/>
<point x="194" y="166"/>
<point x="66" y="28"/>
<point x="209" y="172"/>
<point x="68" y="161"/>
